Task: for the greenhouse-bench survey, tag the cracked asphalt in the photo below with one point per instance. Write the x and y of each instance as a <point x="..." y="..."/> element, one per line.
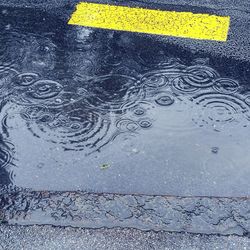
<point x="118" y="140"/>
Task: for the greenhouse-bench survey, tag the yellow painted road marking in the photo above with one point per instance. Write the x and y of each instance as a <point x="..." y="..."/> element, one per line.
<point x="171" y="23"/>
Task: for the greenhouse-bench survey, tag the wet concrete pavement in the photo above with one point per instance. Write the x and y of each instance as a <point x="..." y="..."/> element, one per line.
<point x="107" y="111"/>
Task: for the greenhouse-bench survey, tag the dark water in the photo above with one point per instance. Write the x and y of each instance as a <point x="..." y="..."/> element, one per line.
<point x="121" y="112"/>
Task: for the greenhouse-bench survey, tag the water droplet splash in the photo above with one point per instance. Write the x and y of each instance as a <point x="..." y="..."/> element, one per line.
<point x="44" y="89"/>
<point x="200" y="76"/>
<point x="113" y="92"/>
<point x="225" y="85"/>
<point x="154" y="80"/>
<point x="139" y="111"/>
<point x="145" y="124"/>
<point x="164" y="99"/>
<point x="215" y="150"/>
<point x="26" y="79"/>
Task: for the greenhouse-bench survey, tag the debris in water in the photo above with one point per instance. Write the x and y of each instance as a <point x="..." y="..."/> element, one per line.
<point x="104" y="166"/>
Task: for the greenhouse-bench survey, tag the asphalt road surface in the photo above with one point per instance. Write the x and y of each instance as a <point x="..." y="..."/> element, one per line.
<point x="104" y="128"/>
<point x="133" y="114"/>
<point x="46" y="237"/>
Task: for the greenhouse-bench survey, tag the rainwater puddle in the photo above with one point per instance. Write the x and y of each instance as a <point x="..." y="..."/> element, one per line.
<point x="106" y="111"/>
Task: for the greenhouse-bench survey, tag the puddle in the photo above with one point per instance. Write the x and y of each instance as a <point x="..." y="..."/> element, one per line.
<point x="164" y="121"/>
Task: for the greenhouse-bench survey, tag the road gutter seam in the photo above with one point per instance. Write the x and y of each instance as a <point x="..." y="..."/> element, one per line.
<point x="207" y="215"/>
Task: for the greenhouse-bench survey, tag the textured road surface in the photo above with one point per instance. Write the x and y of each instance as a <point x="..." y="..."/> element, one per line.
<point x="109" y="116"/>
<point x="47" y="237"/>
<point x="115" y="129"/>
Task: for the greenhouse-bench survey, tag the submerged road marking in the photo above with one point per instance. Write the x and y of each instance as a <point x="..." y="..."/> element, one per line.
<point x="171" y="23"/>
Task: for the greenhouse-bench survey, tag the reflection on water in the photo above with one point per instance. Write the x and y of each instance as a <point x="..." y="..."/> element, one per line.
<point x="82" y="91"/>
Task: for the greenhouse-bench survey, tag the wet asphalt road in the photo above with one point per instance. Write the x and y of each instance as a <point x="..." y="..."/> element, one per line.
<point x="107" y="111"/>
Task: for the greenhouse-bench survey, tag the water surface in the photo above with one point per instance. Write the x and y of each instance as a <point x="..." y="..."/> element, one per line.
<point x="106" y="111"/>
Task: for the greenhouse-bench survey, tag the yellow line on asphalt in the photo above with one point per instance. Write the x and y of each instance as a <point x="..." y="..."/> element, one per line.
<point x="171" y="23"/>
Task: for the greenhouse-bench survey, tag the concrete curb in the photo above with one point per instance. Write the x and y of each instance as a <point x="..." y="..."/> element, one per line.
<point x="206" y="215"/>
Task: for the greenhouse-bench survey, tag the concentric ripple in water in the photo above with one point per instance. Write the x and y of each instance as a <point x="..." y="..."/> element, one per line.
<point x="164" y="99"/>
<point x="75" y="129"/>
<point x="145" y="123"/>
<point x="139" y="111"/>
<point x="5" y="155"/>
<point x="247" y="100"/>
<point x="200" y="76"/>
<point x="126" y="125"/>
<point x="179" y="85"/>
<point x="76" y="112"/>
<point x="225" y="85"/>
<point x="45" y="89"/>
<point x="32" y="92"/>
<point x="25" y="79"/>
<point x="155" y="80"/>
<point x="6" y="158"/>
<point x="220" y="110"/>
<point x="113" y="92"/>
<point x="36" y="113"/>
